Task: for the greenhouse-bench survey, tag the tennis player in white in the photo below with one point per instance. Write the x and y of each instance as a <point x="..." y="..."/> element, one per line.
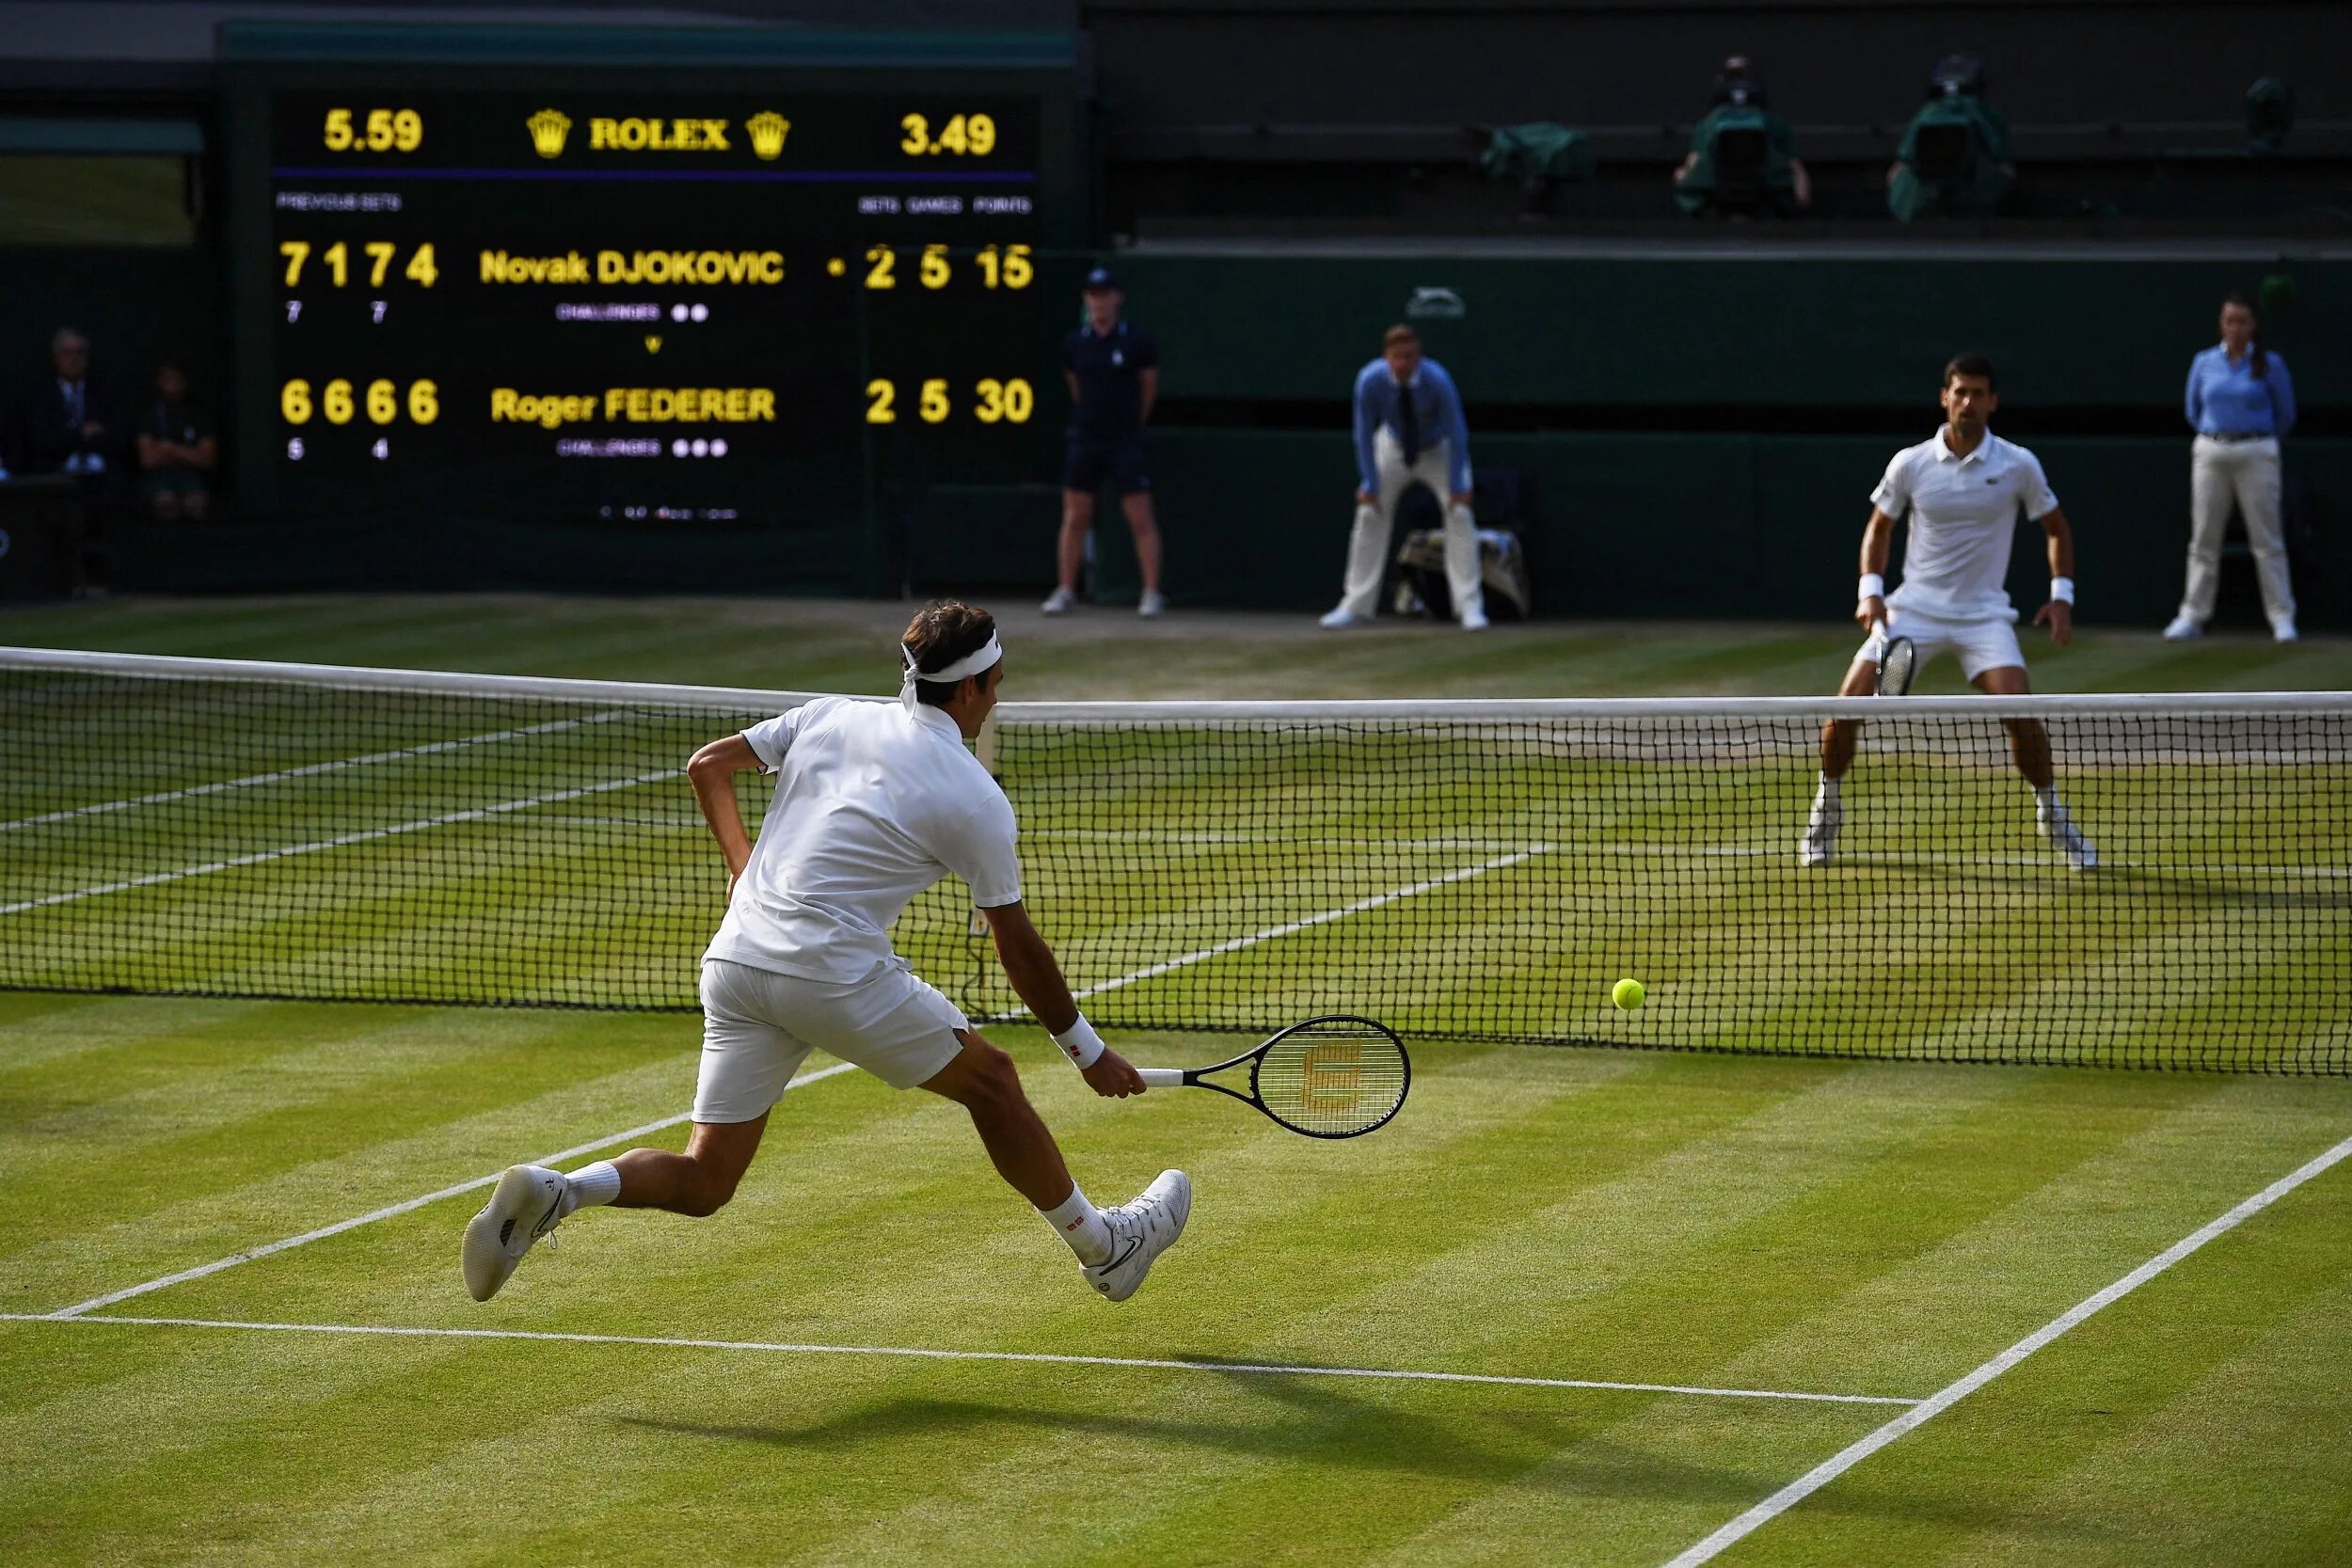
<point x="874" y="802"/>
<point x="1963" y="488"/>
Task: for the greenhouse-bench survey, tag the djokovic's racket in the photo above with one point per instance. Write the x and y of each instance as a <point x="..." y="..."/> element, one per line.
<point x="1330" y="1077"/>
<point x="1897" y="661"/>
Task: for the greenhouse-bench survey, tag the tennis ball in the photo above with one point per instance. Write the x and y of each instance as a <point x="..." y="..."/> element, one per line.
<point x="1627" y="994"/>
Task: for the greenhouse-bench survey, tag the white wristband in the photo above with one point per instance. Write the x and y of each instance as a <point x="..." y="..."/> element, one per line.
<point x="2062" y="590"/>
<point x="1873" y="587"/>
<point x="1080" y="1043"/>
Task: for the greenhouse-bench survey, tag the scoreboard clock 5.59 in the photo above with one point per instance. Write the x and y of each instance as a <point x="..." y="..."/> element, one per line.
<point x="733" y="296"/>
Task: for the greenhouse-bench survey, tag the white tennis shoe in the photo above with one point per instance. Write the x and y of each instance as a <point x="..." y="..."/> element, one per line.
<point x="1820" y="844"/>
<point x="2060" y="829"/>
<point x="1061" y="601"/>
<point x="1473" y="620"/>
<point x="2182" y="628"/>
<point x="1141" y="1229"/>
<point x="1152" y="605"/>
<point x="1339" y="620"/>
<point x="527" y="1204"/>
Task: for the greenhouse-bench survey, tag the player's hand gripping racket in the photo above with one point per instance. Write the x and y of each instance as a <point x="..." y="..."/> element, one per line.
<point x="1332" y="1077"/>
<point x="1897" y="660"/>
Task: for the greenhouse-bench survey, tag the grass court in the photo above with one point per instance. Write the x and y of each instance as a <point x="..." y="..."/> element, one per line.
<point x="1656" y="1289"/>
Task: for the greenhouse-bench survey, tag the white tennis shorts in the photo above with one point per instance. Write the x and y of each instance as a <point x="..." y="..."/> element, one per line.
<point x="758" y="1026"/>
<point x="1982" y="644"/>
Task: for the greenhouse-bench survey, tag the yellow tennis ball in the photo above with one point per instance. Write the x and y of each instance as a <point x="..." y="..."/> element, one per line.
<point x="1627" y="994"/>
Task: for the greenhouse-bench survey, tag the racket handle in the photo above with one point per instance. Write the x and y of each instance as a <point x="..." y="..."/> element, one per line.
<point x="1161" y="1077"/>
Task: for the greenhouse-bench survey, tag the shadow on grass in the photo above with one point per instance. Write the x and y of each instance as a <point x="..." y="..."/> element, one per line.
<point x="1559" y="1452"/>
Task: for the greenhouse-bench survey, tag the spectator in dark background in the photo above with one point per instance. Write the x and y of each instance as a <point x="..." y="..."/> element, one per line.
<point x="1743" y="157"/>
<point x="65" y="425"/>
<point x="1955" y="157"/>
<point x="2240" y="402"/>
<point x="176" y="451"/>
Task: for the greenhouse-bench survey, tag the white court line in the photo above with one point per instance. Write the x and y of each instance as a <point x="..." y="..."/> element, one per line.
<point x="1235" y="944"/>
<point x="340" y="841"/>
<point x="389" y="1210"/>
<point x="253" y="779"/>
<point x="918" y="1352"/>
<point x="1951" y="1394"/>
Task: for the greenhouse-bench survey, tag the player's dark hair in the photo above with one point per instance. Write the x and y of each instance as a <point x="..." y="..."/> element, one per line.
<point x="1971" y="364"/>
<point x="940" y="633"/>
<point x="2260" y="360"/>
<point x="1400" y="333"/>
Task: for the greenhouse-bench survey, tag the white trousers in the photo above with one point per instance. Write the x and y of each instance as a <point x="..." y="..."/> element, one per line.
<point x="1368" y="546"/>
<point x="2245" y="472"/>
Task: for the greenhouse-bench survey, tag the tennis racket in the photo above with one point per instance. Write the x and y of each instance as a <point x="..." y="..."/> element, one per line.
<point x="1330" y="1077"/>
<point x="1897" y="661"/>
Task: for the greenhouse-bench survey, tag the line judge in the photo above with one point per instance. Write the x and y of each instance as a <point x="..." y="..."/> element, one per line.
<point x="1408" y="431"/>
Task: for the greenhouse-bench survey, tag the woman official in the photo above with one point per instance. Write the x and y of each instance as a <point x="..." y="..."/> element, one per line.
<point x="2240" y="403"/>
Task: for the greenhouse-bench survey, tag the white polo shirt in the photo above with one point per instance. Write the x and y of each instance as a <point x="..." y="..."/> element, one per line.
<point x="873" y="804"/>
<point x="1964" y="516"/>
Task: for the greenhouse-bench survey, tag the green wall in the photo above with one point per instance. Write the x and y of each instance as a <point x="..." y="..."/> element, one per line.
<point x="1774" y="326"/>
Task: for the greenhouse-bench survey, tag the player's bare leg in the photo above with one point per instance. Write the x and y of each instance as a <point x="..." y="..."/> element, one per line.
<point x="2029" y="748"/>
<point x="530" y="1201"/>
<point x="1077" y="516"/>
<point x="1839" y="737"/>
<point x="696" y="1183"/>
<point x="1114" y="1246"/>
<point x="985" y="1083"/>
<point x="1146" y="529"/>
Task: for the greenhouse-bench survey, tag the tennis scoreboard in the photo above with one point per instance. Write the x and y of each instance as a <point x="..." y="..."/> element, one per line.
<point x="705" y="281"/>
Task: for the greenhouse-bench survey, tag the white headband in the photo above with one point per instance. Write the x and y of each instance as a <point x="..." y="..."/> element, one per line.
<point x="982" y="658"/>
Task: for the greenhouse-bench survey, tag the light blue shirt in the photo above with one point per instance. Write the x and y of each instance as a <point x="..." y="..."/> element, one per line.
<point x="2227" y="400"/>
<point x="1435" y="404"/>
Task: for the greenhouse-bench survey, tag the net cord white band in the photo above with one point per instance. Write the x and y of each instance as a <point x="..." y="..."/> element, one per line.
<point x="1622" y="710"/>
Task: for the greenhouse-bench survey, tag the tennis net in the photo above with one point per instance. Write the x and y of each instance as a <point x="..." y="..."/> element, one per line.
<point x="1480" y="870"/>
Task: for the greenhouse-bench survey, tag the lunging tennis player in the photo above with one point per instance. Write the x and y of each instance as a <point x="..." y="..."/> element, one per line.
<point x="874" y="802"/>
<point x="1963" y="488"/>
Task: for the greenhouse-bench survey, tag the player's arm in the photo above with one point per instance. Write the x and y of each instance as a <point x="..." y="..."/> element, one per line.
<point x="2060" y="611"/>
<point x="712" y="770"/>
<point x="1036" y="980"/>
<point x="1878" y="545"/>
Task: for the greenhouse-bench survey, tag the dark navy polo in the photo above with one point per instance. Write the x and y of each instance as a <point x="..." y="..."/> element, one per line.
<point x="1109" y="369"/>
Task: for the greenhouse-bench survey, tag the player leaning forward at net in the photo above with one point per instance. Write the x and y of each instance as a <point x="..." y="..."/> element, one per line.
<point x="874" y="802"/>
<point x="1963" y="488"/>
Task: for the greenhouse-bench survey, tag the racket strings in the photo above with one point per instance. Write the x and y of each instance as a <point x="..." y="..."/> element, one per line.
<point x="1334" y="1079"/>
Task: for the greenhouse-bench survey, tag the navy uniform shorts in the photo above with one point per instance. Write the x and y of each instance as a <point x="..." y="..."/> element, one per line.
<point x="1124" y="460"/>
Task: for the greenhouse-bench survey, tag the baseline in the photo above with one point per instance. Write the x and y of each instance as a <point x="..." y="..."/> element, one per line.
<point x="1265" y="1369"/>
<point x="389" y="1210"/>
<point x="1952" y="1393"/>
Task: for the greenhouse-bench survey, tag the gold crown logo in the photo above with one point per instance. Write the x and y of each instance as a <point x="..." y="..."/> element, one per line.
<point x="768" y="133"/>
<point x="548" y="128"/>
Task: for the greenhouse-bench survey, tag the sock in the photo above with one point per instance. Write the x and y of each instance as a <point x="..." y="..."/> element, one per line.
<point x="2045" y="800"/>
<point x="591" y="1185"/>
<point x="1081" y="1224"/>
<point x="1829" y="788"/>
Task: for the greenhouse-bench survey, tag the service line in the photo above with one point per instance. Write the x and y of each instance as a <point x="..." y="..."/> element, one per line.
<point x="771" y="1347"/>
